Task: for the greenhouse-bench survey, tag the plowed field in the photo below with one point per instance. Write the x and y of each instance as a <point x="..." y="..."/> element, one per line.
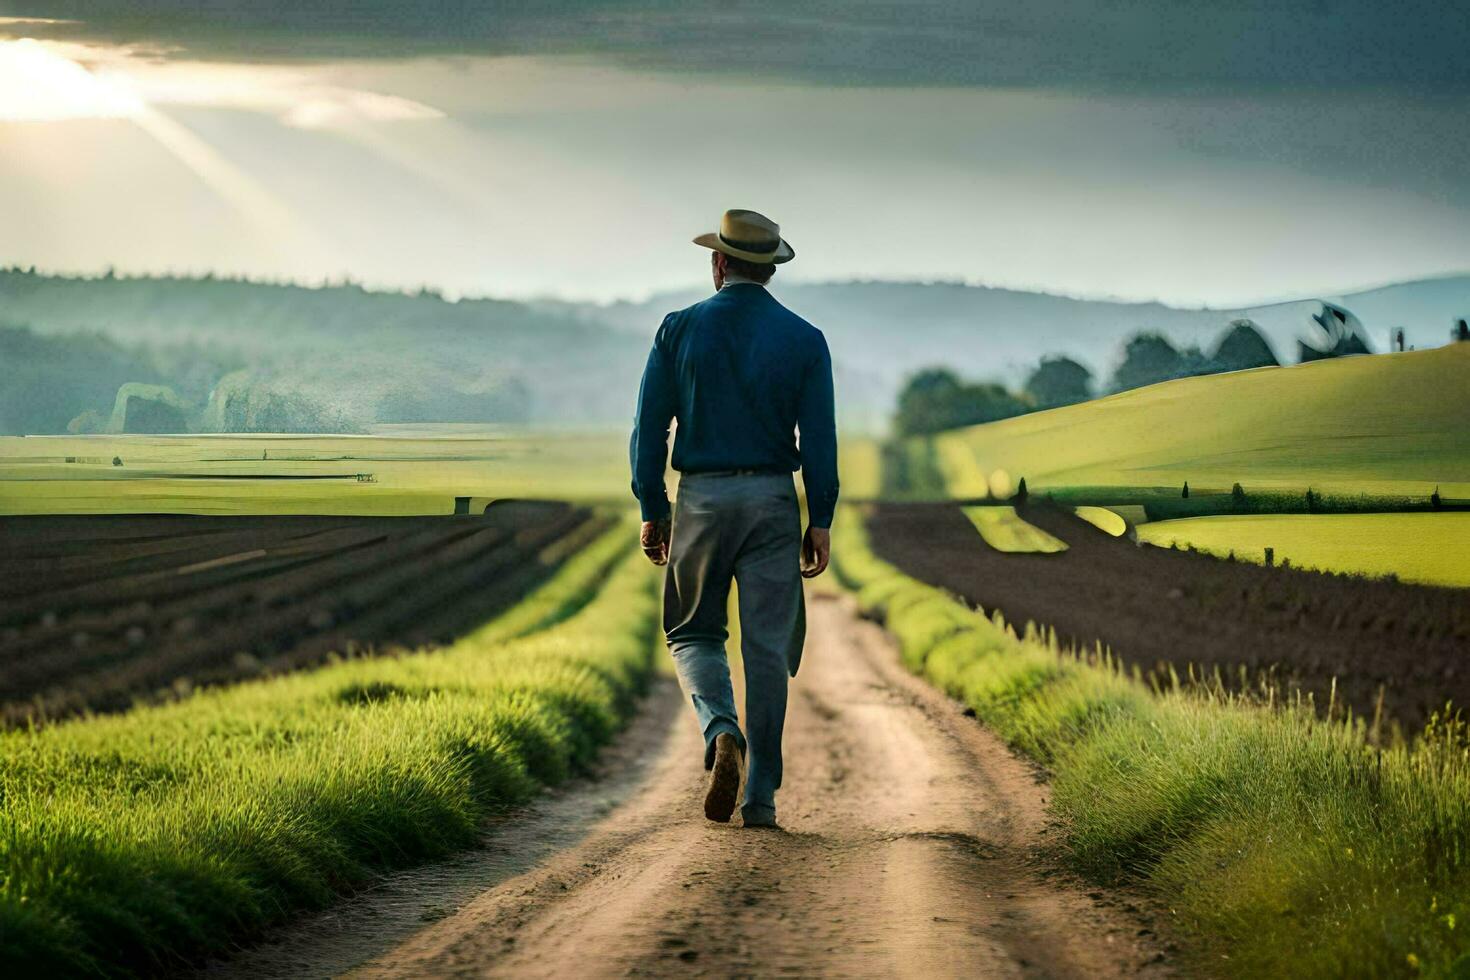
<point x="1161" y="609"/>
<point x="97" y="612"/>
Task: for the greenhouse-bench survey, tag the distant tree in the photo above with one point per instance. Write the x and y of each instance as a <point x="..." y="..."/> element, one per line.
<point x="1021" y="491"/>
<point x="1435" y="500"/>
<point x="1193" y="362"/>
<point x="90" y="422"/>
<point x="1311" y="501"/>
<point x="1237" y="494"/>
<point x="936" y="399"/>
<point x="146" y="408"/>
<point x="1185" y="493"/>
<point x="47" y="381"/>
<point x="925" y="403"/>
<point x="1341" y="335"/>
<point x="1059" y="381"/>
<point x="1243" y="346"/>
<point x="1148" y="358"/>
<point x="988" y="402"/>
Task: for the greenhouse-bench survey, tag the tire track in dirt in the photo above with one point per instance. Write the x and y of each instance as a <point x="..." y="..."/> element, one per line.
<point x="915" y="845"/>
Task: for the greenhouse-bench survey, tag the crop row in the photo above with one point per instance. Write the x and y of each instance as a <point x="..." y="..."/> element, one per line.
<point x="135" y="843"/>
<point x="1281" y="843"/>
<point x="97" y="621"/>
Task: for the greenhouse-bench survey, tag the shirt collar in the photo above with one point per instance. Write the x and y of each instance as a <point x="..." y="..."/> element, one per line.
<point x="734" y="279"/>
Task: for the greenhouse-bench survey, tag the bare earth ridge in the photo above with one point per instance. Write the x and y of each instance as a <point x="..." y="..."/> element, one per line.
<point x="1341" y="638"/>
<point x="914" y="844"/>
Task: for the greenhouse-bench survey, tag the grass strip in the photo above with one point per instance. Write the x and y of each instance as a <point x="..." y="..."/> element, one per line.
<point x="133" y="844"/>
<point x="1005" y="530"/>
<point x="574" y="585"/>
<point x="1281" y="843"/>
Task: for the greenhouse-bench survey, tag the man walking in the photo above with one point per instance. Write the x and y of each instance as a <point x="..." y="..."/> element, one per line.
<point x="741" y="373"/>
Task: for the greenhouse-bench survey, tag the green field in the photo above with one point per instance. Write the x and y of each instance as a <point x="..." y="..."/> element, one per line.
<point x="1005" y="530"/>
<point x="1107" y="521"/>
<point x="1390" y="424"/>
<point x="1427" y="547"/>
<point x="399" y="470"/>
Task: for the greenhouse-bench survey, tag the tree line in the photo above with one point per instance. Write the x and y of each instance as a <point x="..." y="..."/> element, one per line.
<point x="937" y="399"/>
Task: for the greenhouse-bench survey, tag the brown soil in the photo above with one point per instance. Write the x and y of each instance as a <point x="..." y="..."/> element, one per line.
<point x="97" y="612"/>
<point x="913" y="844"/>
<point x="1158" y="608"/>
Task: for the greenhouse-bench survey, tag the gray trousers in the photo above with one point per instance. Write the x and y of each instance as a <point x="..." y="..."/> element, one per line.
<point x="745" y="528"/>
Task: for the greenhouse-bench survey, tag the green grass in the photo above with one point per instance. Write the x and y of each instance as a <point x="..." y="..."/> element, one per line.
<point x="1279" y="843"/>
<point x="135" y="842"/>
<point x="576" y="583"/>
<point x="1381" y="425"/>
<point x="1104" y="520"/>
<point x="1420" y="547"/>
<point x="860" y="468"/>
<point x="1005" y="530"/>
<point x="405" y="470"/>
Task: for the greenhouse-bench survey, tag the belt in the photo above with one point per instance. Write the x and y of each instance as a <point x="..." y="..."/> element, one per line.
<point x="768" y="471"/>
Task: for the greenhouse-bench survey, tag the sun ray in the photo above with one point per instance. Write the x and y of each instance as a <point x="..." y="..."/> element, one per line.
<point x="251" y="199"/>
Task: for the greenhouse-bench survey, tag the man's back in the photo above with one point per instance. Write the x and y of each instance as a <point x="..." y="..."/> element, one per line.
<point x="741" y="373"/>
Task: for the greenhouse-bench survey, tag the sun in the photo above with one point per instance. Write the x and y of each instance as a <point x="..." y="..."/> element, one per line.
<point x="39" y="85"/>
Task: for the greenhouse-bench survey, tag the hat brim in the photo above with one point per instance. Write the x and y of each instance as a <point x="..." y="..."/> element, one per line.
<point x="712" y="240"/>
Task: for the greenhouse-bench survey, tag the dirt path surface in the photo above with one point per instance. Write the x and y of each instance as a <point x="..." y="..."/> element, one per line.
<point x="1159" y="608"/>
<point x="914" y="844"/>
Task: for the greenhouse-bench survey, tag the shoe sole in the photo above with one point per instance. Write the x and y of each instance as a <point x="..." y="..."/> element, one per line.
<point x="724" y="786"/>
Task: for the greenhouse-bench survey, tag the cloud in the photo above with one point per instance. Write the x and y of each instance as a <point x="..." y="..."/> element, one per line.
<point x="50" y="80"/>
<point x="1194" y="46"/>
<point x="332" y="108"/>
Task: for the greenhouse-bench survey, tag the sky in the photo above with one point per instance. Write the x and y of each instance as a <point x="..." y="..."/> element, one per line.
<point x="1201" y="152"/>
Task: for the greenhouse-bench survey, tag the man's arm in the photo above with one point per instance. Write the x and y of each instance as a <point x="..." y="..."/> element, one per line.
<point x="649" y="449"/>
<point x="816" y="419"/>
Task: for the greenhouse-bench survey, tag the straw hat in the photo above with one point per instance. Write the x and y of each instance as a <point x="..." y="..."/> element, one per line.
<point x="750" y="236"/>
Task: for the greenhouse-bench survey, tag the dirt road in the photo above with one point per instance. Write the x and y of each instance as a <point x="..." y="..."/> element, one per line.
<point x="911" y="846"/>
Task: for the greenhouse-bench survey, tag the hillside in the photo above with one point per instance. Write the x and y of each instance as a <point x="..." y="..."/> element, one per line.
<point x="1386" y="424"/>
<point x="883" y="331"/>
<point x="357" y="355"/>
<point x="342" y="355"/>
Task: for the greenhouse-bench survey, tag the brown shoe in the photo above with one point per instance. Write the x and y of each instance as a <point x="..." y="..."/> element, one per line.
<point x="724" y="779"/>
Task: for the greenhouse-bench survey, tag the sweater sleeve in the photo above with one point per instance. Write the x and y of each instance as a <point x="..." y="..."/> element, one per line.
<point x="649" y="449"/>
<point x="817" y="424"/>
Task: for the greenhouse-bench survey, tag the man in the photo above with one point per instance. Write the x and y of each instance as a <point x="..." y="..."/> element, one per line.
<point x="741" y="373"/>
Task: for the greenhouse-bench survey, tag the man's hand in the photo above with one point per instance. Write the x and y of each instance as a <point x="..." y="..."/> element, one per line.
<point x="655" y="540"/>
<point x="816" y="551"/>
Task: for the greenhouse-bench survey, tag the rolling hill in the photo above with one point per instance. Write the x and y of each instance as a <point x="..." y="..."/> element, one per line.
<point x="881" y="332"/>
<point x="1390" y="424"/>
<point x="370" y="357"/>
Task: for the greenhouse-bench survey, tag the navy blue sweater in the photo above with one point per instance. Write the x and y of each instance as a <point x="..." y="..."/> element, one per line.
<point x="741" y="373"/>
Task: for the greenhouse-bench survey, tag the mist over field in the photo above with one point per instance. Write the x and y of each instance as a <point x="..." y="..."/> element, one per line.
<point x="239" y="356"/>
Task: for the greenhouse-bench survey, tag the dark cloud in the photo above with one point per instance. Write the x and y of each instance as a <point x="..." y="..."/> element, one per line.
<point x="1171" y="46"/>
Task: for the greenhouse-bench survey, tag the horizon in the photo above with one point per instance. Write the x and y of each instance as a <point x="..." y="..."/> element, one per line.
<point x="448" y="296"/>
